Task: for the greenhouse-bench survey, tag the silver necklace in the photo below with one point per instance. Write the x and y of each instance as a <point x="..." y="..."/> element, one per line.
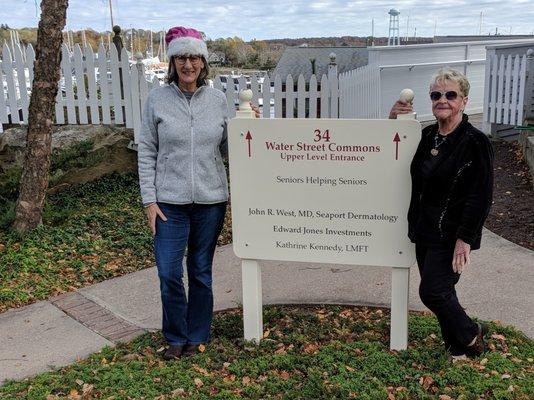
<point x="435" y="150"/>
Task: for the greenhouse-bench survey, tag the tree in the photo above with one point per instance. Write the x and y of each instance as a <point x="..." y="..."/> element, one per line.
<point x="34" y="180"/>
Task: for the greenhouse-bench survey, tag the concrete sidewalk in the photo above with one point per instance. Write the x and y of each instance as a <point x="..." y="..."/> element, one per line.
<point x="496" y="286"/>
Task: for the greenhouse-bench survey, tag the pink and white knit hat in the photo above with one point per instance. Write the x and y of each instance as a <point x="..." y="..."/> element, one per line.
<point x="185" y="41"/>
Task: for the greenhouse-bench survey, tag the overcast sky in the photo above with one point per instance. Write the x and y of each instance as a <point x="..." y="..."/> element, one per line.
<point x="271" y="19"/>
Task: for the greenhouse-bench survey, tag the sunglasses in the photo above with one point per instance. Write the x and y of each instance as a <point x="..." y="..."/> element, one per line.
<point x="450" y="95"/>
<point x="195" y="60"/>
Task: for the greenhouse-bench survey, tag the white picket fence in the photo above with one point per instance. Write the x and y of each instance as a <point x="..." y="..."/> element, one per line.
<point x="366" y="92"/>
<point x="101" y="100"/>
<point x="359" y="92"/>
<point x="303" y="100"/>
<point x="504" y="95"/>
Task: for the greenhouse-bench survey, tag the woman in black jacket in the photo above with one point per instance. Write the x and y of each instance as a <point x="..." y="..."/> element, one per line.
<point x="452" y="184"/>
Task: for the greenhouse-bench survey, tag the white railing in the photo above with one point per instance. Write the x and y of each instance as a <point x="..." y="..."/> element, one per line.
<point x="370" y="91"/>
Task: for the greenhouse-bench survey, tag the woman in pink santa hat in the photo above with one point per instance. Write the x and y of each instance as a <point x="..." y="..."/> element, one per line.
<point x="184" y="188"/>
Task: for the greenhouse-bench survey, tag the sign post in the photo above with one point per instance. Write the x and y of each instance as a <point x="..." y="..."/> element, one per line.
<point x="322" y="190"/>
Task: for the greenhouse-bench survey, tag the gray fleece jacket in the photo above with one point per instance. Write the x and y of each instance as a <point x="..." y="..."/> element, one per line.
<point x="181" y="147"/>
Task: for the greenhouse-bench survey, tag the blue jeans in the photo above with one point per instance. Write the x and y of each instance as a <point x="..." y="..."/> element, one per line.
<point x="187" y="320"/>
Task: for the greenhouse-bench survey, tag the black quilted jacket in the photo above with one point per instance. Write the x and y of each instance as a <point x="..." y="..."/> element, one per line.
<point x="451" y="192"/>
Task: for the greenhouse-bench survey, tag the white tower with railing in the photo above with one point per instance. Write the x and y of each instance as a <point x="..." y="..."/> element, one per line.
<point x="393" y="38"/>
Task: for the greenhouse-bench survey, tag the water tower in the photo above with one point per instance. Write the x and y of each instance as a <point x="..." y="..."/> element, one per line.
<point x="393" y="38"/>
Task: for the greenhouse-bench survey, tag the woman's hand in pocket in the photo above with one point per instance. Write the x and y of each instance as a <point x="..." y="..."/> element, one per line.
<point x="152" y="212"/>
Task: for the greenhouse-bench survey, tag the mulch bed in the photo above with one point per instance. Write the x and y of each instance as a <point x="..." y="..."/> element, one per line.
<point x="512" y="213"/>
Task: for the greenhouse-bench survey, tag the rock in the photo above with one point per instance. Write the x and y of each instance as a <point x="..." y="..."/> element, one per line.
<point x="108" y="154"/>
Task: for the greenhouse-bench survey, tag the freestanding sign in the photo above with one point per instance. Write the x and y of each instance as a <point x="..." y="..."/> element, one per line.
<point x="322" y="190"/>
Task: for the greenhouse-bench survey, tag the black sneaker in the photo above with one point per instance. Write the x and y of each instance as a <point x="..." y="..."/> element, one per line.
<point x="479" y="347"/>
<point x="173" y="353"/>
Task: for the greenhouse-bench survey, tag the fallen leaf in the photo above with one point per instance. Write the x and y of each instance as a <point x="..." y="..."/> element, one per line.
<point x="266" y="333"/>
<point x="246" y="380"/>
<point x="73" y="394"/>
<point x="505" y="376"/>
<point x="284" y="375"/>
<point x="445" y="397"/>
<point x="201" y="348"/>
<point x="198" y="382"/>
<point x="229" y="378"/>
<point x="130" y="357"/>
<point x="484" y="361"/>
<point x="213" y="391"/>
<point x="162" y="348"/>
<point x="498" y="337"/>
<point x="426" y="382"/>
<point x="79" y="382"/>
<point x="177" y="392"/>
<point x="87" y="390"/>
<point x="113" y="264"/>
<point x="200" y="370"/>
<point x="311" y="348"/>
<point x="350" y="369"/>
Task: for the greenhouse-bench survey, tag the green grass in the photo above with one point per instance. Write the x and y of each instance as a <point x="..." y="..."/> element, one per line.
<point x="308" y="353"/>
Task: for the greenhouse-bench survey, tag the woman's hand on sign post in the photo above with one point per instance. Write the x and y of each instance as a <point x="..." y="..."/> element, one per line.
<point x="400" y="107"/>
<point x="152" y="212"/>
<point x="256" y="110"/>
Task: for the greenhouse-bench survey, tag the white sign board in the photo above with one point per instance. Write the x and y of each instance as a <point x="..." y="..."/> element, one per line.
<point x="322" y="190"/>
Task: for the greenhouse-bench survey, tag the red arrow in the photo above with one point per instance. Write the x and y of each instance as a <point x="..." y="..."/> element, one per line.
<point x="249" y="138"/>
<point x="396" y="139"/>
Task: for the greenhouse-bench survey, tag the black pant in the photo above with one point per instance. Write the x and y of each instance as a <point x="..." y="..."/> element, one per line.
<point x="437" y="292"/>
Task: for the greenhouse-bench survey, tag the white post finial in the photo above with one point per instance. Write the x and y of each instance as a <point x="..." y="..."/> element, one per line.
<point x="407" y="96"/>
<point x="245" y="111"/>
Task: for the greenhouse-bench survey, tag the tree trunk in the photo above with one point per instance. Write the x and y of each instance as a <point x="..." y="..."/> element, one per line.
<point x="34" y="180"/>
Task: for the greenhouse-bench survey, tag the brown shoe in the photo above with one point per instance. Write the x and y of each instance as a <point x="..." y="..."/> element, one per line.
<point x="479" y="347"/>
<point x="190" y="350"/>
<point x="173" y="353"/>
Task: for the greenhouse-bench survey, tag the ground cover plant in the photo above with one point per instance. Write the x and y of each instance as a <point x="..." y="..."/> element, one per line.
<point x="310" y="352"/>
<point x="90" y="233"/>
